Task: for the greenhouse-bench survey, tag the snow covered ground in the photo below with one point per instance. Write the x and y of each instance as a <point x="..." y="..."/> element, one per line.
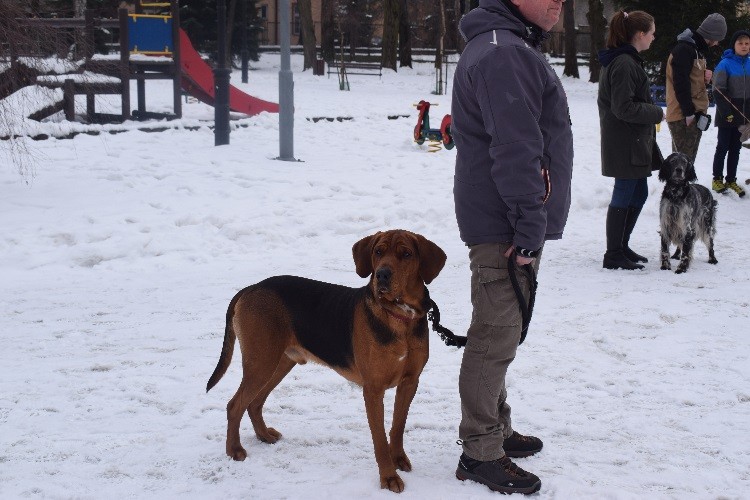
<point x="119" y="256"/>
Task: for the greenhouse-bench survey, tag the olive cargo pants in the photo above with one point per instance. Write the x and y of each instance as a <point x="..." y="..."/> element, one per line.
<point x="493" y="337"/>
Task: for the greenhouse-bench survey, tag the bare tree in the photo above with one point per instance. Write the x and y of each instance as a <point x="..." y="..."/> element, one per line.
<point x="404" y="35"/>
<point x="79" y="9"/>
<point x="571" y="47"/>
<point x="328" y="29"/>
<point x="598" y="25"/>
<point x="17" y="39"/>
<point x="391" y="17"/>
<point x="231" y="10"/>
<point x="307" y="32"/>
<point x="460" y="7"/>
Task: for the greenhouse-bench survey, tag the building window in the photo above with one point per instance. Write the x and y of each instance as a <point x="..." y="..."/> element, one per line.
<point x="264" y="11"/>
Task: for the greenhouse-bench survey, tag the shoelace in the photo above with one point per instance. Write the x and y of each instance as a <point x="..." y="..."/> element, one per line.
<point x="508" y="465"/>
<point x="522" y="438"/>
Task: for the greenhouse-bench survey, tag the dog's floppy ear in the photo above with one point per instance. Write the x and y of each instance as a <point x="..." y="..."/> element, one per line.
<point x="362" y="252"/>
<point x="666" y="167"/>
<point x="431" y="259"/>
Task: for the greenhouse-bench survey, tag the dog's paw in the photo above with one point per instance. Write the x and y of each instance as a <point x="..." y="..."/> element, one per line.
<point x="713" y="261"/>
<point x="401" y="461"/>
<point x="680" y="270"/>
<point x="665" y="267"/>
<point x="270" y="436"/>
<point x="393" y="483"/>
<point x="237" y="453"/>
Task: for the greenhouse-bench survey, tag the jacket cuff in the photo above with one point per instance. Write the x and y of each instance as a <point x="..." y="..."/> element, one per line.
<point x="525" y="252"/>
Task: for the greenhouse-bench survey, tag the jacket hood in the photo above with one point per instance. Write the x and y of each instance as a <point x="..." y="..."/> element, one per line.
<point x="686" y="36"/>
<point x="729" y="54"/>
<point x="693" y="38"/>
<point x="499" y="15"/>
<point x="606" y="56"/>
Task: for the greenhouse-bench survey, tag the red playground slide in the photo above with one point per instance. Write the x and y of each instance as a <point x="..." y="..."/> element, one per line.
<point x="198" y="81"/>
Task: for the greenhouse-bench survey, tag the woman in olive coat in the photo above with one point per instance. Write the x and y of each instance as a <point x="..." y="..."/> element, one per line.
<point x="628" y="138"/>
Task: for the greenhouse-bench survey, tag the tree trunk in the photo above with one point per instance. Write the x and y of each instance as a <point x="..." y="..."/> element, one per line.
<point x="308" y="32"/>
<point x="441" y="37"/>
<point x="404" y="35"/>
<point x="460" y="7"/>
<point x="390" y="33"/>
<point x="328" y="29"/>
<point x="79" y="9"/>
<point x="571" y="48"/>
<point x="598" y="25"/>
<point x="231" y="9"/>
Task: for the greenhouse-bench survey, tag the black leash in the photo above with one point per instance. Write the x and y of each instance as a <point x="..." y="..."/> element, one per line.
<point x="447" y="336"/>
<point x="526" y="308"/>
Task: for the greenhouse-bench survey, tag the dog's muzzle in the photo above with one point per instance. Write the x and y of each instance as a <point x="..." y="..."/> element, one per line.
<point x="383" y="279"/>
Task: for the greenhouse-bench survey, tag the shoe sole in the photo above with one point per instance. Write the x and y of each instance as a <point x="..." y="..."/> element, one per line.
<point x="521" y="454"/>
<point x="506" y="490"/>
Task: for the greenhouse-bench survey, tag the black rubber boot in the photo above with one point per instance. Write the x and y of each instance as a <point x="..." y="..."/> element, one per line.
<point x="614" y="257"/>
<point x="633" y="213"/>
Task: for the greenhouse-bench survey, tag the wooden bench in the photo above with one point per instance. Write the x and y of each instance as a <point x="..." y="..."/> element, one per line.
<point x="82" y="84"/>
<point x="356" y="68"/>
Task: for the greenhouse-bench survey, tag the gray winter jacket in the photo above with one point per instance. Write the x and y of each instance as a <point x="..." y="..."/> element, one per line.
<point x="512" y="130"/>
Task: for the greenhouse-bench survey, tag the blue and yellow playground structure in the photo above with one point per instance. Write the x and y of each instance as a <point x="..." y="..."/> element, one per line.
<point x="152" y="47"/>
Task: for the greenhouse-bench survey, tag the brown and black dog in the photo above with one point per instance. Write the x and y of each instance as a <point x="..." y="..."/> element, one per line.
<point x="375" y="336"/>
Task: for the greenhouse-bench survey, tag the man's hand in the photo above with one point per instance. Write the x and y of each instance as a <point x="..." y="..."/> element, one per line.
<point x="708" y="75"/>
<point x="689" y="120"/>
<point x="520" y="260"/>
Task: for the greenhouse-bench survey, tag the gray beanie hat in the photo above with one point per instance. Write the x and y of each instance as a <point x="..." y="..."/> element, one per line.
<point x="713" y="27"/>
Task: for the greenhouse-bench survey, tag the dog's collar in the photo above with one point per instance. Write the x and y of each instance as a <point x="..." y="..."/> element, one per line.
<point x="400" y="317"/>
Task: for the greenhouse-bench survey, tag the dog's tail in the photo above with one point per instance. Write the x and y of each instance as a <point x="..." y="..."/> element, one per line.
<point x="227" y="349"/>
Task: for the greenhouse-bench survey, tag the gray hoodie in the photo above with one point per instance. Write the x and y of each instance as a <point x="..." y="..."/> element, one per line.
<point x="511" y="126"/>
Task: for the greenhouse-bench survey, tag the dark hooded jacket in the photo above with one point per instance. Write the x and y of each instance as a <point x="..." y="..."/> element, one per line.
<point x="512" y="130"/>
<point x="686" y="89"/>
<point x="626" y="115"/>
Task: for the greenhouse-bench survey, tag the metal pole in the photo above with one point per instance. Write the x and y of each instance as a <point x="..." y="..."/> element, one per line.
<point x="286" y="88"/>
<point x="245" y="52"/>
<point x="221" y="79"/>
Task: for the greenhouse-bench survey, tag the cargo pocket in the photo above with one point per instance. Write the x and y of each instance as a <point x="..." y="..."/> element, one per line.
<point x="496" y="300"/>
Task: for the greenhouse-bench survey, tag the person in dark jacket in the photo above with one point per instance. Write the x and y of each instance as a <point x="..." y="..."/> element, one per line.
<point x="511" y="126"/>
<point x="732" y="96"/>
<point x="628" y="144"/>
<point x="687" y="78"/>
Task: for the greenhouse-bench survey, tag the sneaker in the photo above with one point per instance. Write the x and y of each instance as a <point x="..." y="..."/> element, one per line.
<point x="719" y="186"/>
<point x="500" y="475"/>
<point x="736" y="188"/>
<point x="519" y="446"/>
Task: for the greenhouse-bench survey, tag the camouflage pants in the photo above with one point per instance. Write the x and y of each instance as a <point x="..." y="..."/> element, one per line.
<point x="685" y="139"/>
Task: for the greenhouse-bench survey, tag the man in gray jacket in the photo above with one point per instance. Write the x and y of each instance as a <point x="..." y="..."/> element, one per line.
<point x="514" y="162"/>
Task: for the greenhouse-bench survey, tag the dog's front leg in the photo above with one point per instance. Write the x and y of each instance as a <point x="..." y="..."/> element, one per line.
<point x="376" y="418"/>
<point x="405" y="392"/>
<point x="665" y="265"/>
<point x="687" y="252"/>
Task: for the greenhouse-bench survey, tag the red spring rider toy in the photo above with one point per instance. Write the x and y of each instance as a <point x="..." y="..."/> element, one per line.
<point x="437" y="137"/>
